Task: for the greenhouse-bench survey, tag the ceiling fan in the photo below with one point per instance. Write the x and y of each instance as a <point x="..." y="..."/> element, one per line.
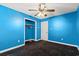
<point x="42" y="10"/>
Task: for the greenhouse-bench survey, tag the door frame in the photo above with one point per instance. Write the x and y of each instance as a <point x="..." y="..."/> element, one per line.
<point x="41" y="30"/>
<point x="35" y="29"/>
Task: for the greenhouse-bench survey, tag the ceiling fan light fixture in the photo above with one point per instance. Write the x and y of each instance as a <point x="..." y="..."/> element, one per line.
<point x="41" y="14"/>
<point x="42" y="11"/>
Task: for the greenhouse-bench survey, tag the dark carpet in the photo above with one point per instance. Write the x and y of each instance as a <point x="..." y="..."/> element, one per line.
<point x="43" y="48"/>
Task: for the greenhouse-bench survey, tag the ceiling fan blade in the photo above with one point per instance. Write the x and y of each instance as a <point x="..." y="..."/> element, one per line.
<point x="36" y="14"/>
<point x="32" y="10"/>
<point x="50" y="10"/>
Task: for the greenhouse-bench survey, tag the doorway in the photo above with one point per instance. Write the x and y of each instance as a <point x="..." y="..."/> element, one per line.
<point x="44" y="30"/>
<point x="30" y="30"/>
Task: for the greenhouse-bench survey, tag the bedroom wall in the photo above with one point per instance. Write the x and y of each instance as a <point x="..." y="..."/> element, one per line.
<point x="64" y="28"/>
<point x="12" y="28"/>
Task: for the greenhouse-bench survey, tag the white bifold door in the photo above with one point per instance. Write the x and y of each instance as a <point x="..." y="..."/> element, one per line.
<point x="44" y="30"/>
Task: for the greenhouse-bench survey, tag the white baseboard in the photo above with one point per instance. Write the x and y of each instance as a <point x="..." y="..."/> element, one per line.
<point x="11" y="48"/>
<point x="63" y="43"/>
<point x="37" y="40"/>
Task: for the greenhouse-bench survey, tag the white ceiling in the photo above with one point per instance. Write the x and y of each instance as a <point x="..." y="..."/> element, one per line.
<point x="60" y="8"/>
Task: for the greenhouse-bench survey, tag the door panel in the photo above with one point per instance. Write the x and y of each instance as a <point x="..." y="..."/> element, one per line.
<point x="44" y="30"/>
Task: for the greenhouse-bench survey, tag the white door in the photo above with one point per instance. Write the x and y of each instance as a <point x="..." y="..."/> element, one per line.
<point x="44" y="30"/>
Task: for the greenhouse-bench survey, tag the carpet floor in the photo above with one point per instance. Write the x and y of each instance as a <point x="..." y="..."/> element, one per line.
<point x="43" y="48"/>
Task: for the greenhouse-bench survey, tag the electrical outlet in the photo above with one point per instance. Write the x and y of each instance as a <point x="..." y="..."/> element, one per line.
<point x="18" y="41"/>
<point x="61" y="38"/>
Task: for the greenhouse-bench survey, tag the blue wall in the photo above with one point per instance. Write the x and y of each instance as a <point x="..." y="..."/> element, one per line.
<point x="12" y="27"/>
<point x="64" y="28"/>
